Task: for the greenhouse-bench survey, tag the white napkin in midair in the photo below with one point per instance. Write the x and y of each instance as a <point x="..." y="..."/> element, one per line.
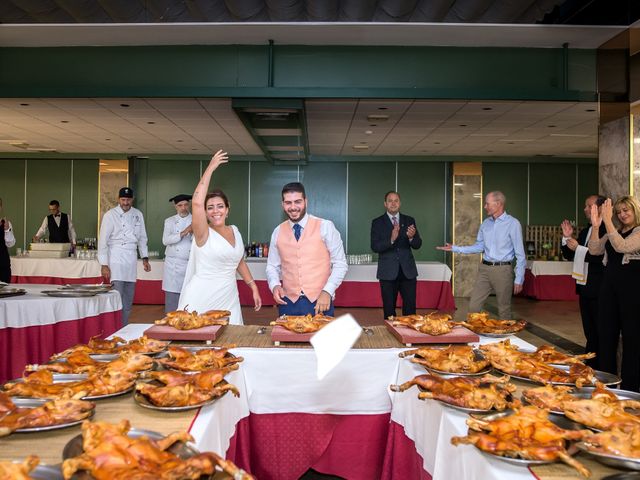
<point x="332" y="343"/>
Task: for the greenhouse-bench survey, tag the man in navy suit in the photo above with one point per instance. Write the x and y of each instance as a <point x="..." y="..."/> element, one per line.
<point x="393" y="235"/>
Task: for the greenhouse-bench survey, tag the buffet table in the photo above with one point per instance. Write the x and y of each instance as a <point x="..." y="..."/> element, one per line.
<point x="349" y="424"/>
<point x="34" y="326"/>
<point x="547" y="280"/>
<point x="360" y="287"/>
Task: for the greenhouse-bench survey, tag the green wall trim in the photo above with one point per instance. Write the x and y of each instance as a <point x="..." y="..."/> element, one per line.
<point x="300" y="72"/>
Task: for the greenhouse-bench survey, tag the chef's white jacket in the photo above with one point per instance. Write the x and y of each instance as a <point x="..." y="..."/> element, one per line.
<point x="177" y="252"/>
<point x="121" y="234"/>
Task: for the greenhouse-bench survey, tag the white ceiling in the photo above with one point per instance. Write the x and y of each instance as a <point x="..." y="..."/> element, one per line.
<point x="201" y="125"/>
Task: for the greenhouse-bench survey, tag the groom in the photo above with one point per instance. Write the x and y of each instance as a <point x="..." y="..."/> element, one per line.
<point x="306" y="262"/>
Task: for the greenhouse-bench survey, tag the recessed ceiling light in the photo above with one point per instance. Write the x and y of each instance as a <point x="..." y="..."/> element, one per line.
<point x="194" y="149"/>
<point x="25" y="104"/>
<point x="436" y="143"/>
<point x="125" y="105"/>
<point x="551" y="126"/>
<point x="380" y="118"/>
<point x="373" y="125"/>
<point x="361" y="147"/>
<point x="107" y="139"/>
<point x="368" y="132"/>
<point x="151" y="123"/>
<point x="487" y="108"/>
<point x="458" y="184"/>
<point x="363" y="143"/>
<point x="462" y="125"/>
<point x="179" y="141"/>
<point x="64" y="121"/>
<point x="383" y="108"/>
<point x="489" y="151"/>
<point x="590" y="110"/>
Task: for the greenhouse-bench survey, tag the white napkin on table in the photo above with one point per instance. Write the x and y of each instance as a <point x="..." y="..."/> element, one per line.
<point x="332" y="343"/>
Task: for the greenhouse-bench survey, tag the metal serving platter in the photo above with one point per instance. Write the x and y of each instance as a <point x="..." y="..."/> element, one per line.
<point x="587" y="392"/>
<point x="605" y="378"/>
<point x="88" y="286"/>
<point x="109" y="395"/>
<point x="45" y="472"/>
<point x="442" y="373"/>
<point x="11" y="292"/>
<point x="69" y="293"/>
<point x="610" y="459"/>
<point x="37" y="402"/>
<point x="462" y="409"/>
<point x="559" y="420"/>
<point x="78" y="377"/>
<point x="145" y="403"/>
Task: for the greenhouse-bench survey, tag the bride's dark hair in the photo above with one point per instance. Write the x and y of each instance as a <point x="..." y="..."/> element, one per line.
<point x="216" y="193"/>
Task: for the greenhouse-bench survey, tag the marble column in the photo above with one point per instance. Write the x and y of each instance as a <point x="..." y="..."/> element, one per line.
<point x="467" y="216"/>
<point x="614" y="153"/>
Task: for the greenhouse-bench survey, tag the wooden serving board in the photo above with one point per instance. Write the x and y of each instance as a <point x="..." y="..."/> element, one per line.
<point x="165" y="332"/>
<point x="281" y="334"/>
<point x="409" y="336"/>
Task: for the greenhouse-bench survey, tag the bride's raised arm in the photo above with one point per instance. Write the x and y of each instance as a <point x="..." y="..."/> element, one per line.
<point x="200" y="223"/>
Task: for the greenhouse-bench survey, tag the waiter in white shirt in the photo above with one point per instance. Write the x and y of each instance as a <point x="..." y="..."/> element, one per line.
<point x="58" y="225"/>
<point x="122" y="232"/>
<point x="7" y="240"/>
<point x="177" y="237"/>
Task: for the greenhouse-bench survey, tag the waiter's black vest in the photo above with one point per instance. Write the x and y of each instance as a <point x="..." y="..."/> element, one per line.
<point x="4" y="251"/>
<point x="58" y="234"/>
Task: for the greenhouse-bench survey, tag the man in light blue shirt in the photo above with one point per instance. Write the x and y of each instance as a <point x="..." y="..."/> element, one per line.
<point x="500" y="241"/>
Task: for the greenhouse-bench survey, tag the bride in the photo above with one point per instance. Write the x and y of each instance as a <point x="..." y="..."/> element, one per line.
<point x="216" y="254"/>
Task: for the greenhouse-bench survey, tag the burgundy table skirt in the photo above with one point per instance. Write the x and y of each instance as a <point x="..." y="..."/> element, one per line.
<point x="37" y="343"/>
<point x="54" y="280"/>
<point x="435" y="295"/>
<point x="549" y="287"/>
<point x="401" y="460"/>
<point x="285" y="446"/>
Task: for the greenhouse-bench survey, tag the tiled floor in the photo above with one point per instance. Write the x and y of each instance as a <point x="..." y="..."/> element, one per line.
<point x="556" y="323"/>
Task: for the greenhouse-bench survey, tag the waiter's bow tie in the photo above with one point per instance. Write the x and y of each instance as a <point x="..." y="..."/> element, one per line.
<point x="57" y="215"/>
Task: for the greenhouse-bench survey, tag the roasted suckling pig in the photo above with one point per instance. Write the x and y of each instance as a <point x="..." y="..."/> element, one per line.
<point x="303" y="323"/>
<point x="624" y="443"/>
<point x="481" y="323"/>
<point x="81" y="362"/>
<point x="95" y="345"/>
<point x="180" y="389"/>
<point x="196" y="361"/>
<point x="54" y="412"/>
<point x="453" y="359"/>
<point x="116" y="345"/>
<point x="550" y="397"/>
<point x="185" y="320"/>
<point x="110" y="454"/>
<point x="434" y="323"/>
<point x="18" y="471"/>
<point x="548" y="354"/>
<point x="484" y="393"/>
<point x="508" y="359"/>
<point x="527" y="433"/>
<point x="602" y="414"/>
<point x="41" y="385"/>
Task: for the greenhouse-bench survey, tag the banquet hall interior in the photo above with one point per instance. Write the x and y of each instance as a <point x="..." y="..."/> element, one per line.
<point x="441" y="101"/>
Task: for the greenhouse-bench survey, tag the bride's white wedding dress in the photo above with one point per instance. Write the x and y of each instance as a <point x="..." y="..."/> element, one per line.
<point x="210" y="281"/>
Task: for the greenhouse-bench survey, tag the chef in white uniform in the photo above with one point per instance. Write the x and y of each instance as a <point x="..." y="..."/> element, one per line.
<point x="122" y="234"/>
<point x="177" y="237"/>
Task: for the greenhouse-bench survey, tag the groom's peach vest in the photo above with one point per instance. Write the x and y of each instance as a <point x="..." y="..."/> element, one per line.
<point x="305" y="264"/>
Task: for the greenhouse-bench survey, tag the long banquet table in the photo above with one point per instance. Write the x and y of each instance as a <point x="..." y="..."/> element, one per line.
<point x="34" y="326"/>
<point x="360" y="287"/>
<point x="349" y="424"/>
<point x="549" y="280"/>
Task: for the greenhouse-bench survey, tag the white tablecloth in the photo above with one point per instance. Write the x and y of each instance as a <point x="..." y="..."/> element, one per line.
<point x="34" y="308"/>
<point x="283" y="381"/>
<point x="73" y="268"/>
<point x="539" y="267"/>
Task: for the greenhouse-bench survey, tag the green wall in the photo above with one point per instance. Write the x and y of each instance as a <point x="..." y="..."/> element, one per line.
<point x="29" y="185"/>
<point x="350" y="194"/>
